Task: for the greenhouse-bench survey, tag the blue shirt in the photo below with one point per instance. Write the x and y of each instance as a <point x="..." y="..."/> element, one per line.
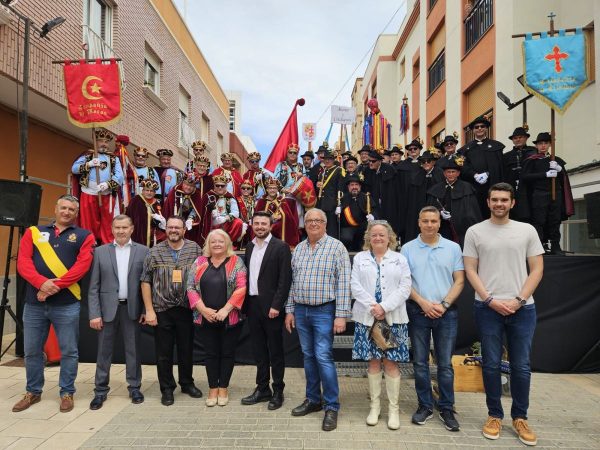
<point x="431" y="267"/>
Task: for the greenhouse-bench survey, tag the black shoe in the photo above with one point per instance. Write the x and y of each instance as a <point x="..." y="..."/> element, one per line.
<point x="330" y="420"/>
<point x="136" y="396"/>
<point x="257" y="396"/>
<point x="306" y="407"/>
<point x="422" y="415"/>
<point x="276" y="401"/>
<point x="167" y="398"/>
<point x="97" y="402"/>
<point x="555" y="249"/>
<point x="192" y="391"/>
<point x="451" y="424"/>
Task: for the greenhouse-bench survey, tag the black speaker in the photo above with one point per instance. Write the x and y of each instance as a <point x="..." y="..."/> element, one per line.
<point x="19" y="203"/>
<point x="592" y="204"/>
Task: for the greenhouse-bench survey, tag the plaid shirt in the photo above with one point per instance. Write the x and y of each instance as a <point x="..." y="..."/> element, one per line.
<point x="321" y="275"/>
<point x="158" y="271"/>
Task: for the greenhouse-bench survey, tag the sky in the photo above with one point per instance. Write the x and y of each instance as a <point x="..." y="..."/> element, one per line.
<point x="276" y="51"/>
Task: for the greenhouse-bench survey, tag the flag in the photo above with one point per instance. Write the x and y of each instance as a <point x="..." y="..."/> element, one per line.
<point x="93" y="93"/>
<point x="289" y="135"/>
<point x="556" y="68"/>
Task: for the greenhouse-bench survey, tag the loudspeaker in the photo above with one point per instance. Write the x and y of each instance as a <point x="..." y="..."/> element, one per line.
<point x="592" y="204"/>
<point x="19" y="203"/>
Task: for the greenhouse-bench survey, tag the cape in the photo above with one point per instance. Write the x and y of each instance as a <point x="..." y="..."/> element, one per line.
<point x="285" y="216"/>
<point x="417" y="199"/>
<point x="145" y="228"/>
<point x="173" y="202"/>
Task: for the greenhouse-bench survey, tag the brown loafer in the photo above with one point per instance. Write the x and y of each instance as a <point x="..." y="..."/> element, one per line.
<point x="27" y="400"/>
<point x="66" y="403"/>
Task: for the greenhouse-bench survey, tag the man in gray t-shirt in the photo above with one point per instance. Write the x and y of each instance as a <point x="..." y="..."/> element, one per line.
<point x="496" y="253"/>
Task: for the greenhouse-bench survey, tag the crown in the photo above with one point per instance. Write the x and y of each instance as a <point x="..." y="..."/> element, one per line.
<point x="254" y="156"/>
<point x="202" y="160"/>
<point x="273" y="182"/>
<point x="246" y="183"/>
<point x="149" y="184"/>
<point x="199" y="145"/>
<point x="293" y="146"/>
<point x="227" y="156"/>
<point x="164" y="152"/>
<point x="222" y="179"/>
<point x="104" y="134"/>
<point x="143" y="150"/>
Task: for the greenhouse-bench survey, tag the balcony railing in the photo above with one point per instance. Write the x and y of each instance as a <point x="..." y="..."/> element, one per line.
<point x="479" y="20"/>
<point x="437" y="72"/>
<point x="96" y="47"/>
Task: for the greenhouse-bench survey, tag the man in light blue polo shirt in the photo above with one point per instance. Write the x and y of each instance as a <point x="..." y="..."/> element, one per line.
<point x="438" y="277"/>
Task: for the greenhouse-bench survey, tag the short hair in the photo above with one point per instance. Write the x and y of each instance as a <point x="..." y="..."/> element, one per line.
<point x="177" y="218"/>
<point x="206" y="249"/>
<point x="429" y="209"/>
<point x="122" y="217"/>
<point x="393" y="239"/>
<point x="263" y="214"/>
<point x="69" y="198"/>
<point x="505" y="187"/>
<point x="320" y="212"/>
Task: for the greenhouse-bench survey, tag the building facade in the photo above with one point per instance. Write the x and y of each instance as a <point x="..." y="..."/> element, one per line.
<point x="451" y="58"/>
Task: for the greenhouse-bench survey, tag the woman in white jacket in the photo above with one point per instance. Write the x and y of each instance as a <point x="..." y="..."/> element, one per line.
<point x="381" y="284"/>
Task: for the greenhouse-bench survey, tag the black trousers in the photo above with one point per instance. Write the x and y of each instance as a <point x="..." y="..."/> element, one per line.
<point x="220" y="344"/>
<point x="546" y="214"/>
<point x="175" y="327"/>
<point x="332" y="224"/>
<point x="267" y="345"/>
<point x="353" y="237"/>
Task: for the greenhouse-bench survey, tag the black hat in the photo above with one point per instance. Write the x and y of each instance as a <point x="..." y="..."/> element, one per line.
<point x="366" y="148"/>
<point x="347" y="153"/>
<point x="448" y="138"/>
<point x="414" y="143"/>
<point x="519" y="131"/>
<point x="427" y="154"/>
<point x="456" y="162"/>
<point x="543" y="137"/>
<point x="396" y="149"/>
<point x="324" y="147"/>
<point x="387" y="152"/>
<point x="481" y="119"/>
<point x="308" y="153"/>
<point x="351" y="158"/>
<point x="353" y="178"/>
<point x="375" y="155"/>
<point x="328" y="153"/>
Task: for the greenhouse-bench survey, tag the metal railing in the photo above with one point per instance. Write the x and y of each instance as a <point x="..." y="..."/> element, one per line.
<point x="96" y="47"/>
<point x="437" y="72"/>
<point x="479" y="20"/>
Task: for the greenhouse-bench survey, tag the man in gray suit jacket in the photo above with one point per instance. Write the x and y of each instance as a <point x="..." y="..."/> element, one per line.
<point x="115" y="302"/>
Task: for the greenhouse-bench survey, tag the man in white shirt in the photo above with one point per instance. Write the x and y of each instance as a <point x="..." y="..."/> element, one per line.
<point x="269" y="280"/>
<point x="115" y="303"/>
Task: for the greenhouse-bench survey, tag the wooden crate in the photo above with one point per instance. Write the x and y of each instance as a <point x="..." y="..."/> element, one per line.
<point x="466" y="378"/>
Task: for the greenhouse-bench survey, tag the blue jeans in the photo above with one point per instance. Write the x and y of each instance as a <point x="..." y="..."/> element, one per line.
<point x="519" y="328"/>
<point x="36" y="322"/>
<point x="315" y="330"/>
<point x="444" y="330"/>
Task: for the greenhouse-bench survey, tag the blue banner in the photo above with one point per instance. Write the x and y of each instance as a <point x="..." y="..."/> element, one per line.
<point x="556" y="68"/>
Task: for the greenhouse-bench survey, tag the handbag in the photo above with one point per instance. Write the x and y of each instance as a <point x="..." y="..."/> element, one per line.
<point x="381" y="335"/>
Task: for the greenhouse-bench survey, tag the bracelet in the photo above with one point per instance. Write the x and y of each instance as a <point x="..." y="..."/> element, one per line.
<point x="488" y="300"/>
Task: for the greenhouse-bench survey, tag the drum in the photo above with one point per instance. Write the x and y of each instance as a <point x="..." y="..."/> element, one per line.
<point x="304" y="192"/>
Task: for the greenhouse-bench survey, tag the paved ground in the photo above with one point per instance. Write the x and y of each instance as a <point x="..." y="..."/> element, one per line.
<point x="565" y="411"/>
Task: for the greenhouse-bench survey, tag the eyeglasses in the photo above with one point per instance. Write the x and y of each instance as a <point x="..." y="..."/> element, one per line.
<point x="220" y="185"/>
<point x="141" y="156"/>
<point x="253" y="161"/>
<point x="314" y="221"/>
<point x="246" y="188"/>
<point x="477" y="127"/>
<point x="426" y="161"/>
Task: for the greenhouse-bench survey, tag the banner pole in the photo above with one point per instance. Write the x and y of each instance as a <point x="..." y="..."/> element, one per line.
<point x="96" y="168"/>
<point x="552" y="121"/>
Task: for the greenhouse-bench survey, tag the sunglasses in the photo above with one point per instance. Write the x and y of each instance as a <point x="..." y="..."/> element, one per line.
<point x="141" y="156"/>
<point x="254" y="160"/>
<point x="449" y="144"/>
<point x="477" y="127"/>
<point x="292" y="152"/>
<point x="246" y="189"/>
<point x="426" y="161"/>
<point x="220" y="185"/>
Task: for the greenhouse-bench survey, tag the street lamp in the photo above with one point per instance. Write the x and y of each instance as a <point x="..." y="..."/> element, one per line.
<point x="510" y="105"/>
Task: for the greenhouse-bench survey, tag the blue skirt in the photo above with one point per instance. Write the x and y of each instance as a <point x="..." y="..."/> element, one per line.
<point x="365" y="349"/>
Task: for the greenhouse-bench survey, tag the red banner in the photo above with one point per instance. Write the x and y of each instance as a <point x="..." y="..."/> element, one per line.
<point x="289" y="135"/>
<point x="93" y="93"/>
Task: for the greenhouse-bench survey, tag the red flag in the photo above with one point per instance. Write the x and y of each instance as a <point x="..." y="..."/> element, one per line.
<point x="93" y="93"/>
<point x="289" y="135"/>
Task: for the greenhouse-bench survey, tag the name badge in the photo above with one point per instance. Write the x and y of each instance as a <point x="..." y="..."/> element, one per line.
<point x="177" y="276"/>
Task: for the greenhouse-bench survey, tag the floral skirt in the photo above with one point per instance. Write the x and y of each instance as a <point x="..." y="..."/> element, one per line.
<point x="365" y="349"/>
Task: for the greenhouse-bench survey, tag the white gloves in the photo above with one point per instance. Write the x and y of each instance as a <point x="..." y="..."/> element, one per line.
<point x="188" y="224"/>
<point x="95" y="162"/>
<point x="219" y="220"/>
<point x="555" y="166"/>
<point x="551" y="173"/>
<point x="258" y="176"/>
<point x="244" y="228"/>
<point x="481" y="178"/>
<point x="445" y="214"/>
<point x="370" y="217"/>
<point x="215" y="213"/>
<point x="338" y="210"/>
<point x="103" y="186"/>
<point x="162" y="222"/>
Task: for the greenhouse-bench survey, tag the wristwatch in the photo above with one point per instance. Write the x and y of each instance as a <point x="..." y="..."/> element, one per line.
<point x="445" y="304"/>
<point x="521" y="301"/>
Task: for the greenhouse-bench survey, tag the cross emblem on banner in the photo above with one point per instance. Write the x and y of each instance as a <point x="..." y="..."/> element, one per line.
<point x="556" y="55"/>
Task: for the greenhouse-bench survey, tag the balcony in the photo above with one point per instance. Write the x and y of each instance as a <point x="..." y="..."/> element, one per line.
<point x="478" y="21"/>
<point x="437" y="72"/>
<point x="96" y="47"/>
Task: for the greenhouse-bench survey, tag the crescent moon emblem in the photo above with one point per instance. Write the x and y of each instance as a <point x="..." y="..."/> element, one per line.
<point x="84" y="87"/>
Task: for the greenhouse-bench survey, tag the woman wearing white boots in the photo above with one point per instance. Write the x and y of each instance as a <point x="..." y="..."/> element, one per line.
<point x="381" y="284"/>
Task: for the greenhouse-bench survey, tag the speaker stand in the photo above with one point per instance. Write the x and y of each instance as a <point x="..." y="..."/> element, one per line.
<point x="4" y="305"/>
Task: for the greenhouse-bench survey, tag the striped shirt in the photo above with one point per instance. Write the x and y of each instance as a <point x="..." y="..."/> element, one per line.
<point x="321" y="275"/>
<point x="158" y="271"/>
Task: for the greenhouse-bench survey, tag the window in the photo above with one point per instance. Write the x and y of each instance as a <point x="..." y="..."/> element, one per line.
<point x="219" y="143"/>
<point x="185" y="132"/>
<point x="575" y="230"/>
<point x="416" y="68"/>
<point x="437" y="72"/>
<point x="152" y="71"/>
<point x="437" y="129"/>
<point x="205" y="130"/>
<point x="98" y="17"/>
<point x="478" y="21"/>
<point x="402" y="69"/>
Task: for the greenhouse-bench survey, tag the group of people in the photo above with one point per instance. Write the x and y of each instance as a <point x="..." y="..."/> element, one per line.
<point x="180" y="289"/>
